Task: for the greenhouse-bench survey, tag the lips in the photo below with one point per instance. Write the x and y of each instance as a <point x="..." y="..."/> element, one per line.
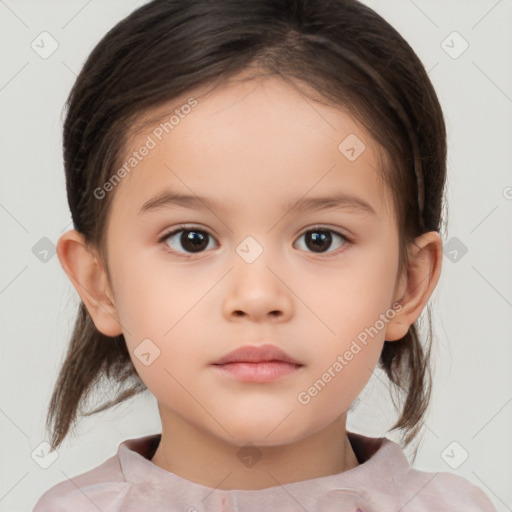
<point x="257" y="364"/>
<point x="257" y="354"/>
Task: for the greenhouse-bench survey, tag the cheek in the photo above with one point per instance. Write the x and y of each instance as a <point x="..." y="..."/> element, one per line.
<point x="334" y="386"/>
<point x="355" y="313"/>
<point x="151" y="296"/>
<point x="352" y="301"/>
<point x="159" y="312"/>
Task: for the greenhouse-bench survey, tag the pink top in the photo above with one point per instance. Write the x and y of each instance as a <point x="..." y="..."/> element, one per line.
<point x="383" y="482"/>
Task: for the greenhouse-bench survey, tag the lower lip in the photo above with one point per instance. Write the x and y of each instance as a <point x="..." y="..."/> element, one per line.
<point x="267" y="371"/>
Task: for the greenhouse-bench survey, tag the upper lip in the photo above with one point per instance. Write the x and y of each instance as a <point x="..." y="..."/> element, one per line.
<point x="257" y="354"/>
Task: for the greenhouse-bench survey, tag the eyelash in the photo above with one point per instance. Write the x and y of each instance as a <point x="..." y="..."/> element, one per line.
<point x="163" y="239"/>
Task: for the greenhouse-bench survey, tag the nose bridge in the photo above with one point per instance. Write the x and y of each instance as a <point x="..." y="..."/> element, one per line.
<point x="256" y="288"/>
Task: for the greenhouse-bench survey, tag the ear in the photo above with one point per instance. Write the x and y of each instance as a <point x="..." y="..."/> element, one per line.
<point x="417" y="283"/>
<point x="84" y="269"/>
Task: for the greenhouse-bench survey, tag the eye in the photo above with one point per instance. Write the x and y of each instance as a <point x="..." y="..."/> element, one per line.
<point x="319" y="240"/>
<point x="192" y="240"/>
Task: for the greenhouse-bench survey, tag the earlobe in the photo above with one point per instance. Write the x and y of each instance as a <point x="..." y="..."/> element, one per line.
<point x="84" y="270"/>
<point x="416" y="287"/>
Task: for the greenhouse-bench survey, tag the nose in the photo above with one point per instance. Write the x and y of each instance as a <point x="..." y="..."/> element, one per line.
<point x="257" y="292"/>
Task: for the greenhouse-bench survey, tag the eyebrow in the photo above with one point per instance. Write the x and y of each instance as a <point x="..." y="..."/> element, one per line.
<point x="339" y="201"/>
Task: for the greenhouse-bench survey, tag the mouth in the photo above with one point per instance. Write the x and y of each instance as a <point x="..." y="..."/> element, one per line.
<point x="257" y="354"/>
<point x="263" y="363"/>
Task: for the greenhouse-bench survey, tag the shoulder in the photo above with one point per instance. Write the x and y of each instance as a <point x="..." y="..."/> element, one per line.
<point x="115" y="485"/>
<point x="93" y="490"/>
<point x="446" y="491"/>
<point x="423" y="491"/>
<point x="391" y="483"/>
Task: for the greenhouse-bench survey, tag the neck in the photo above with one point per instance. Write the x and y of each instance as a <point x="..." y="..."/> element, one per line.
<point x="183" y="450"/>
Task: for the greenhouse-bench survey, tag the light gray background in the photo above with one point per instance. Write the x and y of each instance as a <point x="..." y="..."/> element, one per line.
<point x="472" y="305"/>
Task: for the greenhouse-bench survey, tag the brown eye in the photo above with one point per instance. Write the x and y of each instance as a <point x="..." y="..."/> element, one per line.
<point x="321" y="240"/>
<point x="189" y="240"/>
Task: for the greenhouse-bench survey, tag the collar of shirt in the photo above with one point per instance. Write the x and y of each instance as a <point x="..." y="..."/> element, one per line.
<point x="381" y="463"/>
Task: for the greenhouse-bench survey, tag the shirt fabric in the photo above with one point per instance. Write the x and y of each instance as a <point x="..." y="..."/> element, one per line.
<point x="383" y="481"/>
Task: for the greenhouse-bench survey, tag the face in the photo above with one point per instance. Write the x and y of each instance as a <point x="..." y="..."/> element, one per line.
<point x="251" y="259"/>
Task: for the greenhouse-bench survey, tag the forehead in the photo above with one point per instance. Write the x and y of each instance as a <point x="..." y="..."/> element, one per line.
<point x="247" y="136"/>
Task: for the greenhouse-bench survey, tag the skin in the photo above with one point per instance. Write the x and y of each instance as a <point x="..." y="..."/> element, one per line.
<point x="254" y="148"/>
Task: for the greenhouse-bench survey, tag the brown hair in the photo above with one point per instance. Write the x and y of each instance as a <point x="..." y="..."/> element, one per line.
<point x="341" y="49"/>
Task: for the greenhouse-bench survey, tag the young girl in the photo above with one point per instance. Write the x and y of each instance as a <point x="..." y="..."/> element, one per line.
<point x="256" y="190"/>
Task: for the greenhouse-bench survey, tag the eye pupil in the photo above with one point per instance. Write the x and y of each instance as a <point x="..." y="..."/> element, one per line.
<point x="322" y="240"/>
<point x="194" y="241"/>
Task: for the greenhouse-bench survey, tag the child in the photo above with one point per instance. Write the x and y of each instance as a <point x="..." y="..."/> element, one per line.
<point x="256" y="190"/>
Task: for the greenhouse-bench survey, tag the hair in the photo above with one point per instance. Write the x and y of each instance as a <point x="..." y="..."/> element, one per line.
<point x="342" y="50"/>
